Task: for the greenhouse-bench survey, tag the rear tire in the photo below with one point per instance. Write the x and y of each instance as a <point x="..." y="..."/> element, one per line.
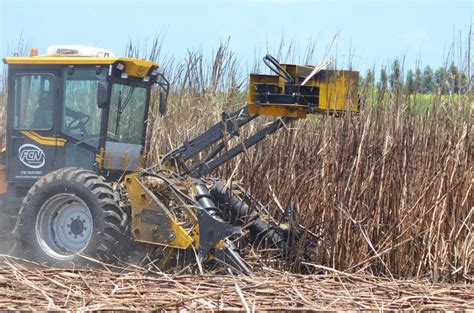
<point x="68" y="214"/>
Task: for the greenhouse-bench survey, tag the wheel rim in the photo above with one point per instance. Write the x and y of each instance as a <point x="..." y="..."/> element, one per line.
<point x="64" y="226"/>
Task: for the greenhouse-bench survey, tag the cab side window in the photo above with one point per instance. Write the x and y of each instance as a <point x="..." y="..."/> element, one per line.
<point x="82" y="116"/>
<point x="34" y="101"/>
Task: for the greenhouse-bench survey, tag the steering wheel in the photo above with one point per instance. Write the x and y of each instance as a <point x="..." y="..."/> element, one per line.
<point x="79" y="121"/>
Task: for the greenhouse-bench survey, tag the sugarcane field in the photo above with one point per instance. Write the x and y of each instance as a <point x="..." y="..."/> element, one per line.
<point x="266" y="156"/>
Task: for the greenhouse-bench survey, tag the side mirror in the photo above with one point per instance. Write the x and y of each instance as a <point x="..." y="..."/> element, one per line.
<point x="164" y="86"/>
<point x="102" y="95"/>
<point x="162" y="106"/>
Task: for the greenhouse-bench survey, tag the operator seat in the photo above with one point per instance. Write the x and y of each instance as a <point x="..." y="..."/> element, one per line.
<point x="43" y="117"/>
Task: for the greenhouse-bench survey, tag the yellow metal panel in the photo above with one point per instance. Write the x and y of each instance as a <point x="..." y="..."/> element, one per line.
<point x="337" y="92"/>
<point x="99" y="158"/>
<point x="269" y="109"/>
<point x="137" y="68"/>
<point x="151" y="220"/>
<point x="46" y="141"/>
<point x="133" y="67"/>
<point x="59" y="60"/>
<point x="338" y="89"/>
<point x="3" y="183"/>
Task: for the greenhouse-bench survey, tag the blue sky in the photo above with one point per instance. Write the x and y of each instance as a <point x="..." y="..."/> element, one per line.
<point x="372" y="32"/>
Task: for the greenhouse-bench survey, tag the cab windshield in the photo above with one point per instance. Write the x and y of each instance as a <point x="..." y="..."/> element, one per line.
<point x="126" y="113"/>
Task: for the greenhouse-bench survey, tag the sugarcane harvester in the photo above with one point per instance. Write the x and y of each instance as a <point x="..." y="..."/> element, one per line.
<point x="74" y="187"/>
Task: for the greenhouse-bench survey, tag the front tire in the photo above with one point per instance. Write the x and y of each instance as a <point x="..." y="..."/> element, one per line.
<point x="67" y="214"/>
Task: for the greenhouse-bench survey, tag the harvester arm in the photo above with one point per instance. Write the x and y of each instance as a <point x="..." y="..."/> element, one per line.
<point x="217" y="135"/>
<point x="294" y="92"/>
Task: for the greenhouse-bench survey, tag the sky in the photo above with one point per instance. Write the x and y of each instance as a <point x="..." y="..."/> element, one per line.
<point x="367" y="32"/>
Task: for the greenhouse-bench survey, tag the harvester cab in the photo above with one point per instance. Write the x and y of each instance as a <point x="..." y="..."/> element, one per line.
<point x="74" y="184"/>
<point x="76" y="107"/>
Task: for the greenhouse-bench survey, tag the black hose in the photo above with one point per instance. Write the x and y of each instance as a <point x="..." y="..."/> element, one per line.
<point x="275" y="67"/>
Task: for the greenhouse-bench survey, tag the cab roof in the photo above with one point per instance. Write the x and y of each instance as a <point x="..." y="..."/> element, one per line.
<point x="133" y="67"/>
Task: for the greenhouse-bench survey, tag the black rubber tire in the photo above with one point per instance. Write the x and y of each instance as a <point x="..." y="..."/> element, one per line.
<point x="108" y="220"/>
